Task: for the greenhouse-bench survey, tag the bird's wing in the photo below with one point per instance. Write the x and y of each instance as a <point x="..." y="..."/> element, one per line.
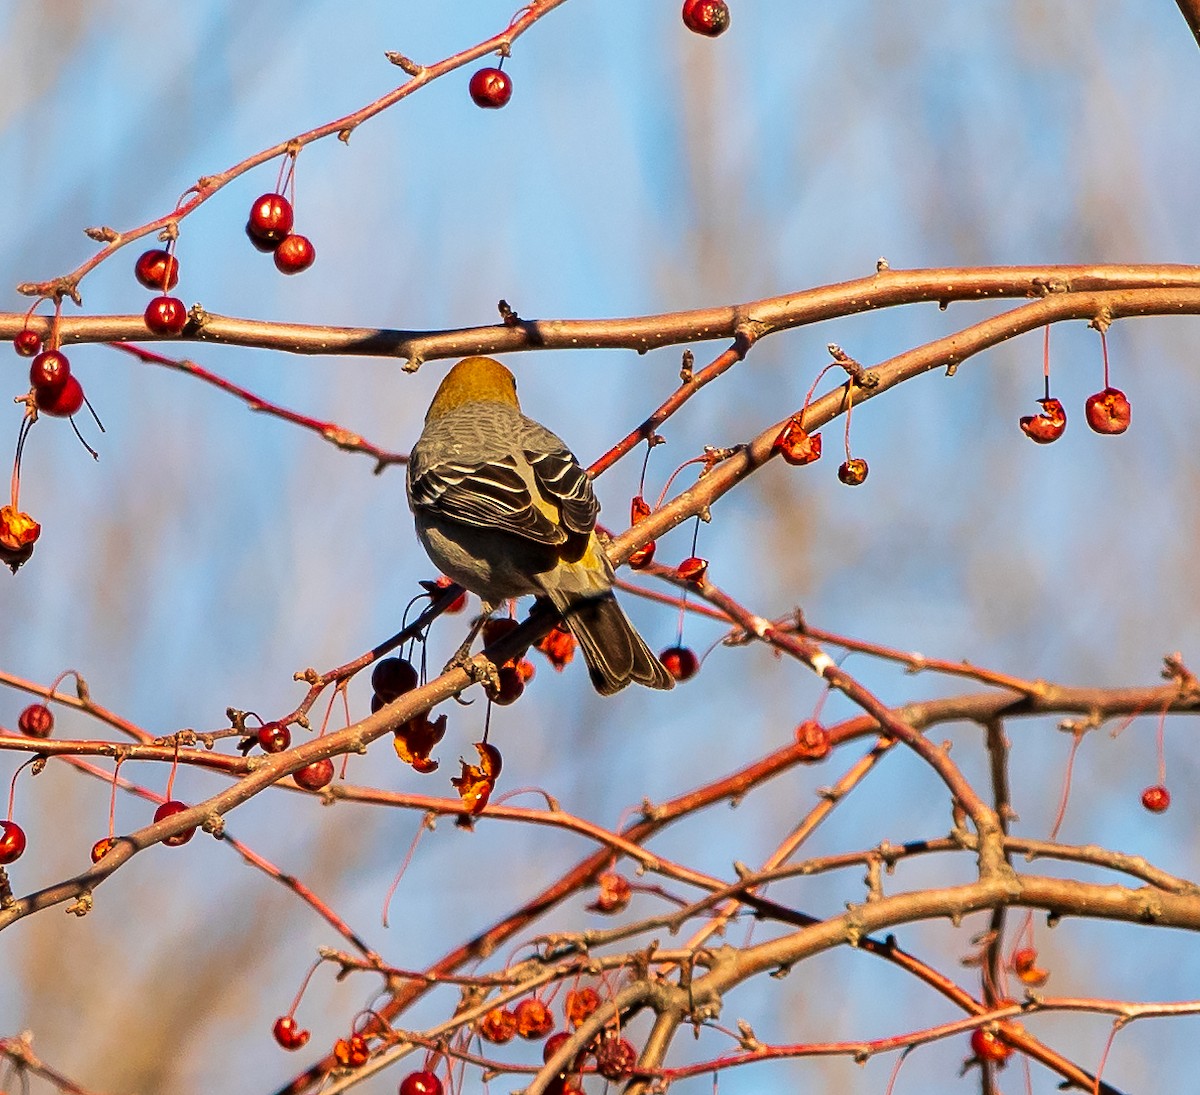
<point x="565" y="484"/>
<point x="491" y="494"/>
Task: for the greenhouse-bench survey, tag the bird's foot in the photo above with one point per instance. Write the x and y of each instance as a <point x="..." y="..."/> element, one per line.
<point x="480" y="669"/>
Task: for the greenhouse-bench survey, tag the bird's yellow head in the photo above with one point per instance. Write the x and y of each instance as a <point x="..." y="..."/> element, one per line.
<point x="471" y="380"/>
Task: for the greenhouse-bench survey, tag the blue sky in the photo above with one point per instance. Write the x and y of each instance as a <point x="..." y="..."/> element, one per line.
<point x="210" y="553"/>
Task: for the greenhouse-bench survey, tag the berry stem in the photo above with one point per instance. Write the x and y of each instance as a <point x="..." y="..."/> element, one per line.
<point x="291" y="1012"/>
<point x="1104" y="351"/>
<point x="112" y="799"/>
<point x="1046" y="359"/>
<point x="12" y="787"/>
<point x="1160" y="740"/>
<point x="849" y="409"/>
<point x="412" y="848"/>
<point x="174" y="769"/>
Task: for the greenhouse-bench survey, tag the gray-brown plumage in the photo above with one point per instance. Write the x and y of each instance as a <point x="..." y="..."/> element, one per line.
<point x="503" y="507"/>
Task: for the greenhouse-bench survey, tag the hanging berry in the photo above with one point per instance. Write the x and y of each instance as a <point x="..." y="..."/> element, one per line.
<point x="707" y="17"/>
<point x="491" y="88"/>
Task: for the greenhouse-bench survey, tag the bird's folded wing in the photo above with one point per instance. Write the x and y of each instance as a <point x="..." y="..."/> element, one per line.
<point x="489" y="495"/>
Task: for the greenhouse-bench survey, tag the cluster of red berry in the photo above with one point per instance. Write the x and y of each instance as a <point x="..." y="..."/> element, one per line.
<point x="1107" y="412"/>
<point x="269" y="228"/>
<point x="533" y="1020"/>
<point x="158" y="270"/>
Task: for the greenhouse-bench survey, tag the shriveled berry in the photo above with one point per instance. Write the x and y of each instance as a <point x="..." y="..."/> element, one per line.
<point x="534" y="1020"/>
<point x="1156" y="799"/>
<point x="616" y="1058"/>
<point x="61" y="402"/>
<point x="270" y="220"/>
<point x="36" y="721"/>
<point x="796" y="446"/>
<point x="987" y="1046"/>
<point x="392" y="677"/>
<point x="692" y="569"/>
<point x="642" y="557"/>
<point x="680" y="662"/>
<point x="853" y="472"/>
<point x="166" y="315"/>
<point x="27" y="343"/>
<point x="813" y="740"/>
<point x="1024" y="964"/>
<point x="580" y="1004"/>
<point x="352" y="1052"/>
<point x="614" y="894"/>
<point x="12" y="842"/>
<point x="157" y="269"/>
<point x="274" y="737"/>
<point x="421" y="1083"/>
<point x="491" y="88"/>
<point x="101" y="848"/>
<point x="288" y="1033"/>
<point x="1108" y="411"/>
<point x="499" y="1026"/>
<point x="707" y="17"/>
<point x="169" y="809"/>
<point x="50" y="370"/>
<point x="295" y="254"/>
<point x="313" y="777"/>
<point x="1047" y="426"/>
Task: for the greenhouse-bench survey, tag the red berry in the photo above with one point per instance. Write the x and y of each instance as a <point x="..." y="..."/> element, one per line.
<point x="316" y="775"/>
<point x="459" y="602"/>
<point x="295" y="254"/>
<point x="27" y="343"/>
<point x="813" y="740"/>
<point x="554" y="1043"/>
<point x="1156" y="799"/>
<point x="166" y="315"/>
<point x="642" y="557"/>
<point x="680" y="662"/>
<point x="796" y="445"/>
<point x="352" y="1052"/>
<point x="169" y="809"/>
<point x="274" y="737"/>
<point x="499" y="1026"/>
<point x="270" y="220"/>
<point x="534" y="1019"/>
<point x="853" y="472"/>
<point x="1047" y="426"/>
<point x="60" y="402"/>
<point x="288" y="1033"/>
<point x="101" y="848"/>
<point x="692" y="569"/>
<point x="157" y="269"/>
<point x="491" y="88"/>
<point x="987" y="1046"/>
<point x="580" y="1004"/>
<point x="421" y="1083"/>
<point x="616" y="1058"/>
<point x="1108" y="411"/>
<point x="512" y="685"/>
<point x="36" y="721"/>
<point x="12" y="842"/>
<point x="707" y="17"/>
<point x="392" y="677"/>
<point x="49" y="369"/>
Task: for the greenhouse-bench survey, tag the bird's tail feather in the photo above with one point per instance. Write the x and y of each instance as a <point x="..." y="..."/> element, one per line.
<point x="615" y="653"/>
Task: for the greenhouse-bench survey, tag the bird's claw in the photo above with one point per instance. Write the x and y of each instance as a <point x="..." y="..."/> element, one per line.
<point x="480" y="669"/>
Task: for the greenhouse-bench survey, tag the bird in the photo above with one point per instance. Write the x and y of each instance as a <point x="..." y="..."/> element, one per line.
<point x="503" y="508"/>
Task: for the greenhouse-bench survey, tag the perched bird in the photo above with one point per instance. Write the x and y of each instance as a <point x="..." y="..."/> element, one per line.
<point x="502" y="506"/>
